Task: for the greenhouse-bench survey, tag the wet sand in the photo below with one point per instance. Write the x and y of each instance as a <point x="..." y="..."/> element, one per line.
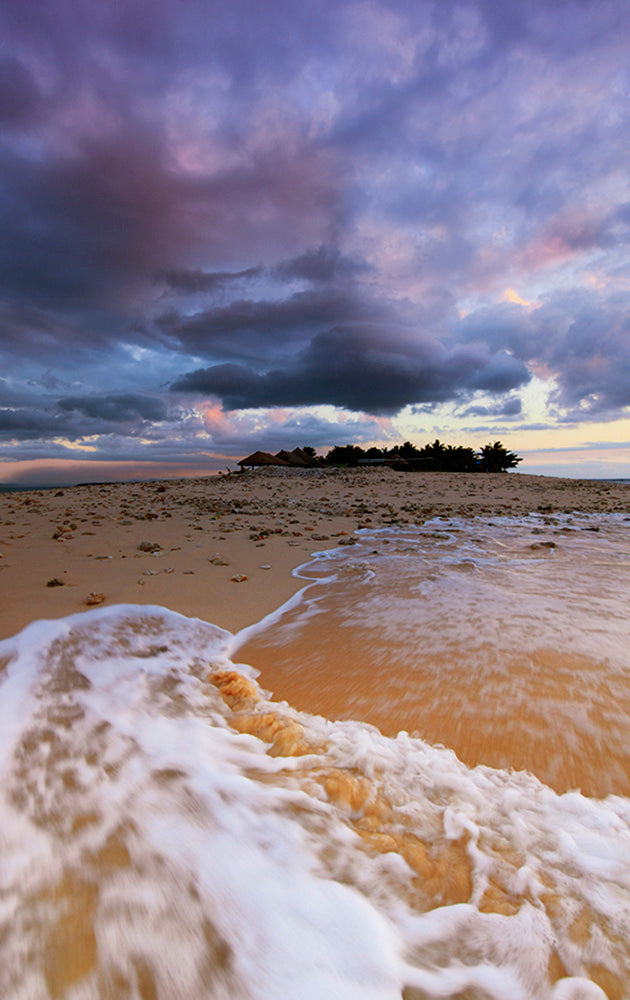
<point x="224" y="546"/>
<point x="480" y="717"/>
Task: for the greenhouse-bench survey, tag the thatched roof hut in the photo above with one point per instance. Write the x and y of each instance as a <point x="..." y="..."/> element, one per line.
<point x="261" y="458"/>
<point x="297" y="458"/>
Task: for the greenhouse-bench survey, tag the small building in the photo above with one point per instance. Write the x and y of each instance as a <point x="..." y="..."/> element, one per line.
<point x="261" y="458"/>
<point x="299" y="459"/>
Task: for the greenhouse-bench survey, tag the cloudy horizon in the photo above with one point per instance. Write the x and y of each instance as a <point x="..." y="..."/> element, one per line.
<point x="247" y="226"/>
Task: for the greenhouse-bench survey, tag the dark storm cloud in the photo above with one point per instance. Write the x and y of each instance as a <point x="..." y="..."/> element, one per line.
<point x="498" y="373"/>
<point x="80" y="226"/>
<point x="123" y="408"/>
<point x="24" y="423"/>
<point x="326" y="264"/>
<point x="509" y="408"/>
<point x="25" y="329"/>
<point x="88" y="228"/>
<point x="323" y="265"/>
<point x="248" y="328"/>
<point x="359" y="373"/>
<point x="72" y="418"/>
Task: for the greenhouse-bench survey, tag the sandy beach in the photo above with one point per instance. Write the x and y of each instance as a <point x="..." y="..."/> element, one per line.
<point x="151" y="788"/>
<point x="187" y="544"/>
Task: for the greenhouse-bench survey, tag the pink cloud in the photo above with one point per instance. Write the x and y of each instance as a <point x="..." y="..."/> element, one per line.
<point x="566" y="236"/>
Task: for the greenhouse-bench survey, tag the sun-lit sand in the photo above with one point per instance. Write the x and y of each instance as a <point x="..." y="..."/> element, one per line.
<point x="258" y="524"/>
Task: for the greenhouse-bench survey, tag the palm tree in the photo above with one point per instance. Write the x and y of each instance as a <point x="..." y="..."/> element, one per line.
<point x="435" y="453"/>
<point x="496" y="458"/>
<point x="408" y="450"/>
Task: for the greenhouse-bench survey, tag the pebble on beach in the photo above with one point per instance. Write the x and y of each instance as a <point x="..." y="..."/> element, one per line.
<point x="94" y="598"/>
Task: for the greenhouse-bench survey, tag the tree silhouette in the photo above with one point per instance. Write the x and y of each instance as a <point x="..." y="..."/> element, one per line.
<point x="449" y="458"/>
<point x="408" y="450"/>
<point x="346" y="454"/>
<point x="496" y="458"/>
<point x="456" y="458"/>
<point x="436" y="456"/>
<point x="436" y="449"/>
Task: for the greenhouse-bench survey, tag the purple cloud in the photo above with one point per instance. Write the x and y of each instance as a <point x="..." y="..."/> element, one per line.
<point x="295" y="206"/>
<point x="371" y="373"/>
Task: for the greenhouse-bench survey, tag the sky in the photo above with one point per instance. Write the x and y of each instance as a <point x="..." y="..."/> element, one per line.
<point x="239" y="225"/>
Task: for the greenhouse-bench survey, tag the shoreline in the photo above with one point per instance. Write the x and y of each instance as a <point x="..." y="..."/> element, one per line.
<point x="467" y="635"/>
<point x="256" y="526"/>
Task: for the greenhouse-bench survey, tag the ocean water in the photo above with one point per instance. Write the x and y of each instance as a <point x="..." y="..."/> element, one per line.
<point x="504" y="639"/>
<point x="169" y="831"/>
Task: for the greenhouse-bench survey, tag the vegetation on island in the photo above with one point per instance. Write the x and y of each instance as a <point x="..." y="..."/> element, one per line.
<point x="435" y="457"/>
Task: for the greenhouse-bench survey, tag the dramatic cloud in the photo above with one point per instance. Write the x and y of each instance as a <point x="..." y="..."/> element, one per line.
<point x="584" y="338"/>
<point x="122" y="408"/>
<point x="326" y="264"/>
<point x="369" y="374"/>
<point x="391" y="211"/>
<point x="26" y="423"/>
<point x="508" y="409"/>
<point x="258" y="327"/>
